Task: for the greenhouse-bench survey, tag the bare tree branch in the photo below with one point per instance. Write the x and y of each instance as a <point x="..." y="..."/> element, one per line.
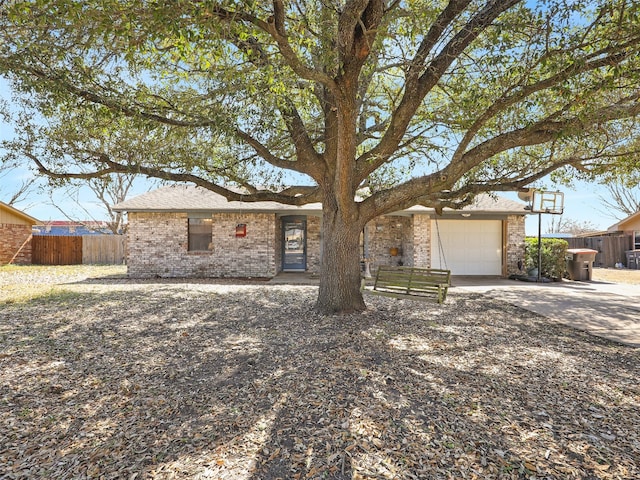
<point x="623" y="199"/>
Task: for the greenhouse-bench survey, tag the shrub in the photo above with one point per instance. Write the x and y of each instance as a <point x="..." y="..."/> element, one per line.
<point x="554" y="253"/>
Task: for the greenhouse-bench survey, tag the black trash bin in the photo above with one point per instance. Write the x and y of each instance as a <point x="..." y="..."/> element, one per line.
<point x="580" y="263"/>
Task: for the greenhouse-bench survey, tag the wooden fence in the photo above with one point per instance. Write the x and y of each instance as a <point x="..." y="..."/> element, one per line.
<point x="611" y="249"/>
<point x="103" y="249"/>
<point x="76" y="250"/>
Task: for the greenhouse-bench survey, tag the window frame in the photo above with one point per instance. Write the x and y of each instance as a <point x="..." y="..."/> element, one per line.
<point x="197" y="239"/>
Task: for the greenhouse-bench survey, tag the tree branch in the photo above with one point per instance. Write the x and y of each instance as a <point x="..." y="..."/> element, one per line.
<point x="291" y="196"/>
<point x="430" y="189"/>
<point x="616" y="55"/>
<point x="446" y="17"/>
<point x="540" y="132"/>
<point x="349" y="19"/>
<point x="61" y="81"/>
<point x="275" y="27"/>
<point x="64" y="176"/>
<point x="414" y="93"/>
<point x="310" y="162"/>
<point x="308" y="168"/>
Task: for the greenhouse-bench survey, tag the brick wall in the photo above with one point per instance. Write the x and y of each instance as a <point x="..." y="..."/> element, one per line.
<point x="422" y="241"/>
<point x="250" y="256"/>
<point x="278" y="244"/>
<point x="15" y="238"/>
<point x="515" y="243"/>
<point x="314" y="225"/>
<point x="384" y="233"/>
<point x="158" y="246"/>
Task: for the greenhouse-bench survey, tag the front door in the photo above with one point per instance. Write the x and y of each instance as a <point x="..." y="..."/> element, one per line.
<point x="294" y="244"/>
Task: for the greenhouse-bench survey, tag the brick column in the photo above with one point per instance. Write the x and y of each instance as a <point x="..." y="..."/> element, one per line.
<point x="422" y="241"/>
<point x="515" y="242"/>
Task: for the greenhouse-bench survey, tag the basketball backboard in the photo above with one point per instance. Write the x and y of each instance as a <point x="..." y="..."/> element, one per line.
<point x="547" y="202"/>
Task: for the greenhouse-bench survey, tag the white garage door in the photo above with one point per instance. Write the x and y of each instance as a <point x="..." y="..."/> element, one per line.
<point x="470" y="247"/>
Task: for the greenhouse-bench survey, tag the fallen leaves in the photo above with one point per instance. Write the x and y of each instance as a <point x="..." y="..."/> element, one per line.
<point x="205" y="379"/>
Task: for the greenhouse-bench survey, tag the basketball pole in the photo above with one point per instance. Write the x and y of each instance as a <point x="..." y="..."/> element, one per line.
<point x="545" y="202"/>
<point x="539" y="279"/>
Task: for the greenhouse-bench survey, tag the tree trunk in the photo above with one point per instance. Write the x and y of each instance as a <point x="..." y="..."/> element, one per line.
<point x="340" y="270"/>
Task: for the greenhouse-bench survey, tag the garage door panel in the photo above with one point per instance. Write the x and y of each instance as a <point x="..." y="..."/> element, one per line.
<point x="469" y="247"/>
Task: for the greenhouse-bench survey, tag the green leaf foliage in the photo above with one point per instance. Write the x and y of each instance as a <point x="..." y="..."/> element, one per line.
<point x="554" y="256"/>
<point x="387" y="94"/>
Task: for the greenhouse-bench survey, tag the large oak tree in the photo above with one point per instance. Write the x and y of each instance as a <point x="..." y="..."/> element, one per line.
<point x="411" y="102"/>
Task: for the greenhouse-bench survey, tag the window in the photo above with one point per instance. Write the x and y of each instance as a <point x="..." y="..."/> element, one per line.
<point x="636" y="240"/>
<point x="200" y="234"/>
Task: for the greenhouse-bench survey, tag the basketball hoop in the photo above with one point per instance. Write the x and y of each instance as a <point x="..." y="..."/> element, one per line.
<point x="547" y="202"/>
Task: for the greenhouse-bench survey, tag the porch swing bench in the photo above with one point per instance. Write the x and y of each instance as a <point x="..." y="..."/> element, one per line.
<point x="428" y="284"/>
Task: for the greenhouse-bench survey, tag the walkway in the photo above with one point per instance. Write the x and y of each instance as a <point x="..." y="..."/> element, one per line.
<point x="604" y="309"/>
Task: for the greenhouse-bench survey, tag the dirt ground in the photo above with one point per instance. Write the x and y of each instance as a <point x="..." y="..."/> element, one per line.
<point x="104" y="377"/>
<point x="616" y="275"/>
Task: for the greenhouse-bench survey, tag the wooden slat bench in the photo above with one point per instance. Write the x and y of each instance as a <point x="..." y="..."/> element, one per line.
<point x="412" y="283"/>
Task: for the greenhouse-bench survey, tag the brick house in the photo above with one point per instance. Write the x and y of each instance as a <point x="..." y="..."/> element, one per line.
<point x="187" y="231"/>
<point x="15" y="235"/>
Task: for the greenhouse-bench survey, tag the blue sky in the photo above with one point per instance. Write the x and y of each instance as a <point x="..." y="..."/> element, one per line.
<point x="582" y="203"/>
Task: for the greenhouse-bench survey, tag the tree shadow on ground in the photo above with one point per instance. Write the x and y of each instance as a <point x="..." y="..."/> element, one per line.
<point x="199" y="381"/>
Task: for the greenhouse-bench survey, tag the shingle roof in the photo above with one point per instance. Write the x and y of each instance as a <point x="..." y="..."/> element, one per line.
<point x="483" y="203"/>
<point x="188" y="198"/>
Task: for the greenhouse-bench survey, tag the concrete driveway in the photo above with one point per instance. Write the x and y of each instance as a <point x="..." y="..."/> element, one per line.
<point x="604" y="309"/>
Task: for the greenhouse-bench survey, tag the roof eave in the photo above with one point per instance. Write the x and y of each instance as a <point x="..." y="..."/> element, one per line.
<point x="20" y="213"/>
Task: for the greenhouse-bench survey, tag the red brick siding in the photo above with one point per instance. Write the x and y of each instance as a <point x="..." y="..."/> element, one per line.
<point x="12" y="240"/>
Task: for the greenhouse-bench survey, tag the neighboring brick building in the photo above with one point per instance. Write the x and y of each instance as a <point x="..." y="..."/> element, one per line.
<point x="15" y="235"/>
<point x="186" y="231"/>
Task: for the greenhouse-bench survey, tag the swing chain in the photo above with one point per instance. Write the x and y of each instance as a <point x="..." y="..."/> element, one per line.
<point x="441" y="254"/>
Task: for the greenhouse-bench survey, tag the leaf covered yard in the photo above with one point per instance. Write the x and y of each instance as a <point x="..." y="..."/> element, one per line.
<point x="111" y="378"/>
